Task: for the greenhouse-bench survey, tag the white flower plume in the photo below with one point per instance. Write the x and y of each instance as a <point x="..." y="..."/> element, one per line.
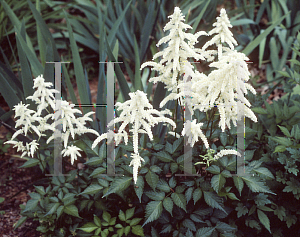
<point x="223" y="34"/>
<point x="193" y="131"/>
<point x="43" y="96"/>
<point x="27" y="118"/>
<point x="69" y="120"/>
<point x="136" y="163"/>
<point x="226" y="152"/>
<point x="72" y="151"/>
<point x="134" y="112"/>
<point x="177" y="52"/>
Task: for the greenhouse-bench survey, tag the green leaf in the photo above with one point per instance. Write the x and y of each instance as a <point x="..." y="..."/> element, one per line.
<point x="259" y="110"/>
<point x="20" y="222"/>
<point x="120" y="76"/>
<point x="256" y="185"/>
<point x="31" y="204"/>
<point x="155" y="168"/>
<point x="241" y="210"/>
<point x="163" y="186"/>
<point x="285" y="131"/>
<point x="205" y="232"/>
<point x="264" y="172"/>
<point x="129" y="213"/>
<point x="153" y="211"/>
<point x="138" y="230"/>
<point x="189" y="224"/>
<point x="213" y="200"/>
<point x="122" y="216"/>
<point x="178" y="144"/>
<point x="172" y="182"/>
<point x="189" y="193"/>
<point x="218" y="182"/>
<point x="139" y="187"/>
<point x="106" y="216"/>
<point x="250" y="47"/>
<point x="88" y="227"/>
<point x="71" y="210"/>
<point x="168" y="205"/>
<point x="53" y="208"/>
<point x="290" y="220"/>
<point x="94" y="161"/>
<point x="239" y="183"/>
<point x="196" y="218"/>
<point x="135" y="221"/>
<point x="59" y="211"/>
<point x="179" y="200"/>
<point x="40" y="189"/>
<point x="280" y="212"/>
<point x="97" y="171"/>
<point x="282" y="140"/>
<point x="264" y="219"/>
<point x="30" y="163"/>
<point x="157" y="196"/>
<point x="92" y="189"/>
<point x="119" y="185"/>
<point x="232" y="196"/>
<point x="152" y="179"/>
<point x="164" y="156"/>
<point x="81" y="84"/>
<point x="213" y="169"/>
<point x="197" y="195"/>
<point x="280" y="148"/>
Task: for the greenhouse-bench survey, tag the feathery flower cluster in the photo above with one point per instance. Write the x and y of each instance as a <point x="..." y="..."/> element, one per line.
<point x="43" y="96"/>
<point x="176" y="54"/>
<point x="138" y="112"/>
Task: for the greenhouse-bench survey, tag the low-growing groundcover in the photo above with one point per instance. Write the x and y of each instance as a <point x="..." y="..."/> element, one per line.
<point x="147" y="198"/>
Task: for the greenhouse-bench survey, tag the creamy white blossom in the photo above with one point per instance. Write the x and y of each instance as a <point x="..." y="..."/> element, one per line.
<point x="137" y="111"/>
<point x="27" y="118"/>
<point x="136" y="163"/>
<point x="71" y="124"/>
<point x="226" y="87"/>
<point x="225" y="153"/>
<point x="193" y="131"/>
<point x="177" y="52"/>
<point x="72" y="151"/>
<point x="223" y="34"/>
<point x="20" y="146"/>
<point x="43" y="96"/>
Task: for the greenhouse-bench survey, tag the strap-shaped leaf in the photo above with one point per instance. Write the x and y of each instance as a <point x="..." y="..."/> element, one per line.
<point x="81" y="84"/>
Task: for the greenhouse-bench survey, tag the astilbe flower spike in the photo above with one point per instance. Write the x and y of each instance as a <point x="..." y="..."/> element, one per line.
<point x="138" y="112"/>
